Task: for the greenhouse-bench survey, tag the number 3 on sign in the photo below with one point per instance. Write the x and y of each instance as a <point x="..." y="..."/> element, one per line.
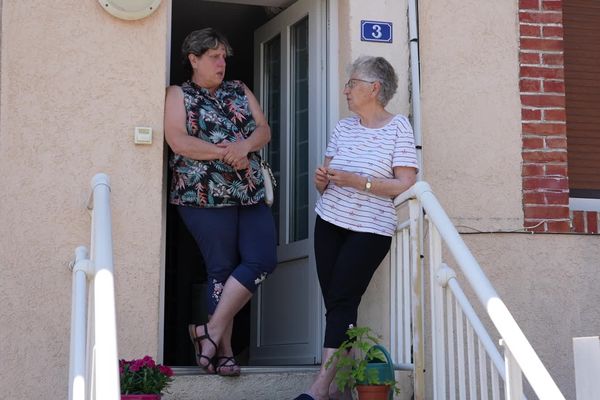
<point x="376" y="31"/>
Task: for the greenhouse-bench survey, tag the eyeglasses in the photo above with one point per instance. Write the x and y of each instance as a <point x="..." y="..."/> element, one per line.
<point x="352" y="82"/>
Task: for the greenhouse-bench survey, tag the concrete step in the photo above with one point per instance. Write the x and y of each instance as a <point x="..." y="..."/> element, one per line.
<point x="255" y="383"/>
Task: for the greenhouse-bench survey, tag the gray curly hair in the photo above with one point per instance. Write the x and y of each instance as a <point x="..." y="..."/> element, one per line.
<point x="377" y="69"/>
<point x="199" y="42"/>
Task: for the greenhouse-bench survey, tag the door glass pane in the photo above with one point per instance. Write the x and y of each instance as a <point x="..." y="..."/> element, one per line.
<point x="299" y="135"/>
<point x="272" y="108"/>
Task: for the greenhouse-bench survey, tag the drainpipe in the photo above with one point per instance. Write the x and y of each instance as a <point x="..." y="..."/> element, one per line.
<point x="415" y="90"/>
<point x="417" y="311"/>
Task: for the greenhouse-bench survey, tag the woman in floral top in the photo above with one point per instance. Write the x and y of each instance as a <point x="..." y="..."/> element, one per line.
<point x="215" y="129"/>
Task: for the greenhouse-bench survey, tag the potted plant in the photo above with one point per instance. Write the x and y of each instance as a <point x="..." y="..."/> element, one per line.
<point x="143" y="379"/>
<point x="363" y="365"/>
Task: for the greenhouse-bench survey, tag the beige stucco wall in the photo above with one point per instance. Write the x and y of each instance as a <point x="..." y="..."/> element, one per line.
<point x="550" y="285"/>
<point x="75" y="81"/>
<point x="351" y="12"/>
<point x="471" y="110"/>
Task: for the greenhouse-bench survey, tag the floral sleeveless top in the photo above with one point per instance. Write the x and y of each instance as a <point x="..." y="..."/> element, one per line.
<point x="222" y="117"/>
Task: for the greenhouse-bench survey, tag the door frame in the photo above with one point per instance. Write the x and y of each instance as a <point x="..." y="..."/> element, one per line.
<point x="331" y="91"/>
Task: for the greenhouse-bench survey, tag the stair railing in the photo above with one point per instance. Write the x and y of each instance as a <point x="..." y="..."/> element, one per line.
<point x="483" y="373"/>
<point x="93" y="364"/>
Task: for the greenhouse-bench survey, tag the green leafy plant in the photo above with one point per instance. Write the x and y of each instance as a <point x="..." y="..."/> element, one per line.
<point x="144" y="376"/>
<point x="353" y="357"/>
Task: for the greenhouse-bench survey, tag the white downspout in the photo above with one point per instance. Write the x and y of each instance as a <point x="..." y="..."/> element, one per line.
<point x="415" y="90"/>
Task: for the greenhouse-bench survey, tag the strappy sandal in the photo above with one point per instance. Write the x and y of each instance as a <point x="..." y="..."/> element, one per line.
<point x="198" y="347"/>
<point x="228" y="366"/>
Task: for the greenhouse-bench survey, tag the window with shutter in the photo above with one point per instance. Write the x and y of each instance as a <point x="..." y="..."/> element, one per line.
<point x="581" y="23"/>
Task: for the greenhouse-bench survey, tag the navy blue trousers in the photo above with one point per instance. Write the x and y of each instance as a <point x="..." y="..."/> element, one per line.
<point x="346" y="261"/>
<point x="237" y="241"/>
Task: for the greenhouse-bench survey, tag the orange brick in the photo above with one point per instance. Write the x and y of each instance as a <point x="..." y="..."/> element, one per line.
<point x="544" y="129"/>
<point x="534" y="198"/>
<point x="552" y="31"/>
<point x="544" y="100"/>
<point x="529" y="4"/>
<point x="560" y="169"/>
<point x="533" y="143"/>
<point x="592" y="222"/>
<point x="530" y="58"/>
<point x="556" y="143"/>
<point x="555" y="115"/>
<point x="557" y="198"/>
<point x="531" y="115"/>
<point x="556" y="86"/>
<point x="553" y="59"/>
<point x="542" y="72"/>
<point x="545" y="183"/>
<point x="530" y="30"/>
<point x="552" y="5"/>
<point x="547" y="212"/>
<point x="533" y="170"/>
<point x="540" y="17"/>
<point x="534" y="225"/>
<point x="558" y="226"/>
<point x="530" y="85"/>
<point x="578" y="222"/>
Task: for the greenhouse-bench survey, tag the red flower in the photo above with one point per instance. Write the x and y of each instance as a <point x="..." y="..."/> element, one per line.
<point x="148" y="362"/>
<point x="144" y="376"/>
<point x="165" y="370"/>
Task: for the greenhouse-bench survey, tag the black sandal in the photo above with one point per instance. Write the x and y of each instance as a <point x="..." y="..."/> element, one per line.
<point x="198" y="348"/>
<point x="304" y="396"/>
<point x="232" y="367"/>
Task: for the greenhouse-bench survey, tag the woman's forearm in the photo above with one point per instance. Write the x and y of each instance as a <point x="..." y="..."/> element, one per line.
<point x="404" y="177"/>
<point x="389" y="187"/>
<point x="197" y="149"/>
<point x="259" y="138"/>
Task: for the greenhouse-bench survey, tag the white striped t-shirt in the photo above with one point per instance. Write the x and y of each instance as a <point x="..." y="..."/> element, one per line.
<point x="368" y="152"/>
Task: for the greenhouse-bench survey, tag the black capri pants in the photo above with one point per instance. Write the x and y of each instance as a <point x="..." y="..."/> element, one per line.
<point x="346" y="262"/>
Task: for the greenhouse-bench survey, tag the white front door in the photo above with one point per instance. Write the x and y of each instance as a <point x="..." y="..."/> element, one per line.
<point x="290" y="81"/>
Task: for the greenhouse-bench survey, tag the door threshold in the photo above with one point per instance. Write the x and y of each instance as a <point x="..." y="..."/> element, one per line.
<point x="252" y="369"/>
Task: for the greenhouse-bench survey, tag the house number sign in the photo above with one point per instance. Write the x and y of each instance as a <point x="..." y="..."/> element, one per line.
<point x="376" y="31"/>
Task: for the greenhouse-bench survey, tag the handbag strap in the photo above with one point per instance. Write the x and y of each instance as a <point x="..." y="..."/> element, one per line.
<point x="265" y="165"/>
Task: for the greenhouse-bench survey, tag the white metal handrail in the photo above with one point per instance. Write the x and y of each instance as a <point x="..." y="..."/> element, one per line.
<point x="519" y="355"/>
<point x="93" y="364"/>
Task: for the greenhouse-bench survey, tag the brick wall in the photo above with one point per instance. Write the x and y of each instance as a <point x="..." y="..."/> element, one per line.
<point x="542" y="87"/>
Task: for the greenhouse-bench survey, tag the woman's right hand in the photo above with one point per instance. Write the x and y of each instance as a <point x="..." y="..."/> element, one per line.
<point x="321" y="179"/>
<point x="229" y="157"/>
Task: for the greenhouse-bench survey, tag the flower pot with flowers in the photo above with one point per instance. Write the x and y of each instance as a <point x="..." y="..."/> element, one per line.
<point x="143" y="379"/>
<point x="364" y="366"/>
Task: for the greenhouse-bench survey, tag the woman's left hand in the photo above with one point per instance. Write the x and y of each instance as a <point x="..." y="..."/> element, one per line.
<point x="344" y="178"/>
<point x="236" y="154"/>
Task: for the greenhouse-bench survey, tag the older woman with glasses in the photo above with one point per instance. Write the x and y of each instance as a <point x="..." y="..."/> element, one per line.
<point x="215" y="129"/>
<point x="369" y="160"/>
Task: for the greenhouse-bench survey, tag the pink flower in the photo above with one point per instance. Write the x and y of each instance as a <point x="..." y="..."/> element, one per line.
<point x="165" y="370"/>
<point x="148" y="362"/>
<point x="144" y="376"/>
<point x="136" y="365"/>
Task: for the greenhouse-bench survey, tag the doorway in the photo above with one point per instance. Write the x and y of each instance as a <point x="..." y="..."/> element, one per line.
<point x="276" y="53"/>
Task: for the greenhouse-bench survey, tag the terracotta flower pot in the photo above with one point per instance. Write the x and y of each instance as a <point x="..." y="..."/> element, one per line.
<point x="140" y="397"/>
<point x="373" y="392"/>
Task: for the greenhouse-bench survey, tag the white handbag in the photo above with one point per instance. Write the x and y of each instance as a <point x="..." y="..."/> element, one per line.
<point x="269" y="182"/>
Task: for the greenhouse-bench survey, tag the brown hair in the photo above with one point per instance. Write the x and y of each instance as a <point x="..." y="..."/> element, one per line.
<point x="199" y="42"/>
